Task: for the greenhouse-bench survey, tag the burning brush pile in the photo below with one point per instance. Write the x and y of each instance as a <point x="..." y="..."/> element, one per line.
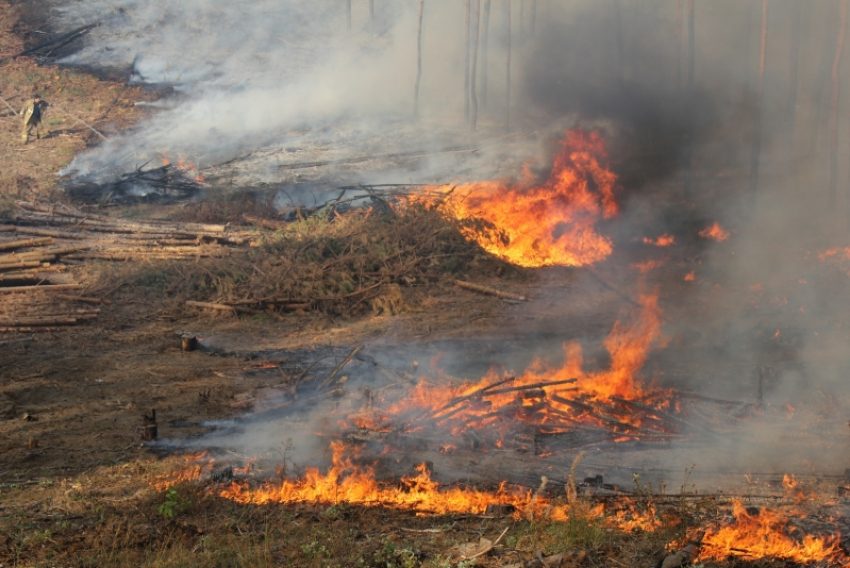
<point x="517" y="441"/>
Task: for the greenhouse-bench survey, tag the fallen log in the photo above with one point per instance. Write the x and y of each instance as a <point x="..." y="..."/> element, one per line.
<point x="47" y="233"/>
<point x="37" y="321"/>
<point x="20" y="265"/>
<point x="489" y="291"/>
<point x="28" y="329"/>
<point x="71" y="212"/>
<point x="26" y="243"/>
<point x="46" y="288"/>
<point x="211" y="306"/>
<point x="530" y="387"/>
<point x="59" y="41"/>
<point x="686" y="555"/>
<point x="81" y="299"/>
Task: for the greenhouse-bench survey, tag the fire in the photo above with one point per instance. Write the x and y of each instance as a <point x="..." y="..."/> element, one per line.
<point x="551" y="223"/>
<point x="841" y="253"/>
<point x="690" y="276"/>
<point x="628" y="346"/>
<point x="345" y="482"/>
<point x="185" y="167"/>
<point x="644" y="267"/>
<point x="715" y="232"/>
<point x="763" y="535"/>
<point x="662" y="241"/>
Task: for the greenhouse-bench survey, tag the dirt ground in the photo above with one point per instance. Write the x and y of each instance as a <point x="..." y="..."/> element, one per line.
<point x="77" y="488"/>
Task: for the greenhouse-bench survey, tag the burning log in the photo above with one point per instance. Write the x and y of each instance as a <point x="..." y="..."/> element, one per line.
<point x="530" y="387"/>
<point x="686" y="555"/>
<point x="489" y="291"/>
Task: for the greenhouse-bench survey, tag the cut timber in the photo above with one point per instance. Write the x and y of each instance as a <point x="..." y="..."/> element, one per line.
<point x="28" y="329"/>
<point x="48" y="233"/>
<point x="219" y="307"/>
<point x="37" y="321"/>
<point x="70" y="212"/>
<point x="26" y="243"/>
<point x="53" y="288"/>
<point x="20" y="265"/>
<point x="68" y="298"/>
<point x="489" y="291"/>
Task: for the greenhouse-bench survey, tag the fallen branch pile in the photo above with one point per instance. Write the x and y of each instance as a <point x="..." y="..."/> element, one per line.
<point x="164" y="181"/>
<point x="39" y="244"/>
<point x="108" y="238"/>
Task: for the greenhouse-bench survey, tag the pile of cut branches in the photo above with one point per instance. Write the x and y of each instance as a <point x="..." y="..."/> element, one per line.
<point x="340" y="264"/>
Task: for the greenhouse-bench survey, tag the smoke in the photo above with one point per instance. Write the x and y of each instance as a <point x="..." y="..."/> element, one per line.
<point x="275" y="82"/>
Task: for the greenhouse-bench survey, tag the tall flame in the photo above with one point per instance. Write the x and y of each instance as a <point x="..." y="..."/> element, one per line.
<point x="628" y="346"/>
<point x="552" y="223"/>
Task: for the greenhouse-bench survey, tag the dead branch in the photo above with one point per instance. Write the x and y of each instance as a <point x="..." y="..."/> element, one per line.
<point x="529" y="387"/>
<point x="489" y="291"/>
<point x="339" y="367"/>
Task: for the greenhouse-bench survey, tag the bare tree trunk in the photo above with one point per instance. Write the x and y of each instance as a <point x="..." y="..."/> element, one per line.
<point x="755" y="156"/>
<point x="618" y="29"/>
<point x="349" y="15"/>
<point x="532" y="26"/>
<point x="508" y="81"/>
<point x="521" y="21"/>
<point x="418" y="59"/>
<point x="372" y="16"/>
<point x="484" y="44"/>
<point x="833" y="114"/>
<point x="678" y="45"/>
<point x="689" y="93"/>
<point x="466" y="72"/>
<point x="791" y="105"/>
<point x="472" y="81"/>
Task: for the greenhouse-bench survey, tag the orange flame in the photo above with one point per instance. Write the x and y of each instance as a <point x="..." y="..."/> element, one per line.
<point x="662" y="241"/>
<point x="628" y="346"/>
<point x="644" y="267"/>
<point x="763" y="535"/>
<point x="348" y="483"/>
<point x="715" y="232"/>
<point x="547" y="224"/>
<point x="690" y="276"/>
